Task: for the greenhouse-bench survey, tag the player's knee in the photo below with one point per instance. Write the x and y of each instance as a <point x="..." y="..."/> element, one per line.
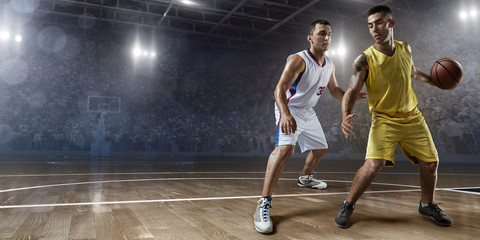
<point x="430" y="167"/>
<point x="374" y="165"/>
<point x="319" y="152"/>
<point x="283" y="151"/>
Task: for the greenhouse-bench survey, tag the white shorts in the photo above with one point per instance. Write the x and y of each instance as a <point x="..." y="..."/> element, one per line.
<point x="309" y="132"/>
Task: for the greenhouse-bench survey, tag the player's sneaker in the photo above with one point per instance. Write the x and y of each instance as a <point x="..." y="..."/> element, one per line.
<point x="436" y="214"/>
<point x="311" y="182"/>
<point x="261" y="218"/>
<point x="342" y="220"/>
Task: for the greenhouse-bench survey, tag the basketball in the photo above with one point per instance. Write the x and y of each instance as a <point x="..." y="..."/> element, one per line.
<point x="446" y="73"/>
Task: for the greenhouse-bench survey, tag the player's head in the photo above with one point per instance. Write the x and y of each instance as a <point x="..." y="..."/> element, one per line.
<point x="380" y="9"/>
<point x="380" y="23"/>
<point x="320" y="34"/>
<point x="314" y="24"/>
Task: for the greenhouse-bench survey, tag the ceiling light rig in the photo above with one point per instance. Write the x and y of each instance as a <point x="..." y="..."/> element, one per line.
<point x="6" y="36"/>
<point x="188" y="2"/>
<point x="466" y="15"/>
<point x="139" y="52"/>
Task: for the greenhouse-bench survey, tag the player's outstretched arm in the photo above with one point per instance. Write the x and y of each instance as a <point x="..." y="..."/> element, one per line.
<point x="337" y="92"/>
<point x="359" y="76"/>
<point x="294" y="67"/>
<point x="419" y="75"/>
<point x="416" y="73"/>
<point x="333" y="87"/>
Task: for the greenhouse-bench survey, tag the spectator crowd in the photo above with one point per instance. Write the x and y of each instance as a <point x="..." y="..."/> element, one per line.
<point x="194" y="100"/>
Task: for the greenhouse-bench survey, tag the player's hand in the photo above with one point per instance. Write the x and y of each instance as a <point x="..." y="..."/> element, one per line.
<point x="361" y="95"/>
<point x="288" y="125"/>
<point x="346" y="126"/>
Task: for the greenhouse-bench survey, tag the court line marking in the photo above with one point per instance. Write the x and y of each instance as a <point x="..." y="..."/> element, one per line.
<point x="190" y="199"/>
<point x="461" y="191"/>
<point x="176" y="179"/>
<point x="416" y="188"/>
<point x="229" y="172"/>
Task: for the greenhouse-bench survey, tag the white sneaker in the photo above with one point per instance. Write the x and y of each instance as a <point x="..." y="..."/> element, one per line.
<point x="311" y="182"/>
<point x="262" y="221"/>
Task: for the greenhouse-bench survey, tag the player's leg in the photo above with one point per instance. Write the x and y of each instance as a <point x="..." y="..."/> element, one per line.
<point x="312" y="138"/>
<point x="306" y="178"/>
<point x="419" y="148"/>
<point x="276" y="163"/>
<point x="428" y="181"/>
<point x="312" y="161"/>
<point x="284" y="146"/>
<point x="363" y="178"/>
<point x="381" y="145"/>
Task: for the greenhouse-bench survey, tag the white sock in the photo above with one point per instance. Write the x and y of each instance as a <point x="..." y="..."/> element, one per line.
<point x="423" y="204"/>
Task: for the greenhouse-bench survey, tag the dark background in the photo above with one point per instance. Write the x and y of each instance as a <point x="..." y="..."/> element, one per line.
<point x="209" y="91"/>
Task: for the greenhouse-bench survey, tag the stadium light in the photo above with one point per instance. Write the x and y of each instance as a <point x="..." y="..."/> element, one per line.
<point x="473" y="13"/>
<point x="337" y="52"/>
<point x="140" y="52"/>
<point x="18" y="38"/>
<point x="188" y="2"/>
<point x="5" y="35"/>
<point x="136" y="51"/>
<point x="464" y="15"/>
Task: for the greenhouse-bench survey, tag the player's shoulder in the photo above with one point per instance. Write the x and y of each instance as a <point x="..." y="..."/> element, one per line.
<point x="360" y="62"/>
<point x="295" y="62"/>
<point x="404" y="44"/>
<point x="296" y="58"/>
<point x="330" y="61"/>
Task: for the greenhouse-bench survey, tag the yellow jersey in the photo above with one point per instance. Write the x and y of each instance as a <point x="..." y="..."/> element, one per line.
<point x="389" y="83"/>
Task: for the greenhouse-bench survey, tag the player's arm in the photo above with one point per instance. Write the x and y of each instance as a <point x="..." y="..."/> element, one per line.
<point x="419" y="75"/>
<point x="336" y="91"/>
<point x="333" y="87"/>
<point x="359" y="76"/>
<point x="416" y="73"/>
<point x="295" y="67"/>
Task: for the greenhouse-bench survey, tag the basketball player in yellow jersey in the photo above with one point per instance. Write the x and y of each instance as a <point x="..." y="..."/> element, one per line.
<point x="386" y="69"/>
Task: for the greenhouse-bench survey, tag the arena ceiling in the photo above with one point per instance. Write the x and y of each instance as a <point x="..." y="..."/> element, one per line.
<point x="238" y="24"/>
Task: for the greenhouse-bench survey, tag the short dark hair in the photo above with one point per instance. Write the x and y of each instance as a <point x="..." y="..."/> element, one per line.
<point x="319" y="21"/>
<point x="380" y="8"/>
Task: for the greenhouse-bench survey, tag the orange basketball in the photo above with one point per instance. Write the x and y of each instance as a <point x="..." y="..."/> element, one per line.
<point x="446" y="73"/>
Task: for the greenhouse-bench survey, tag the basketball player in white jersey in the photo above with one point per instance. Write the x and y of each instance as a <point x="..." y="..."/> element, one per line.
<point x="306" y="76"/>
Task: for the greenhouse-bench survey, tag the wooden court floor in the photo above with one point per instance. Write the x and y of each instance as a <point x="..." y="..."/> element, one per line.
<point x="215" y="197"/>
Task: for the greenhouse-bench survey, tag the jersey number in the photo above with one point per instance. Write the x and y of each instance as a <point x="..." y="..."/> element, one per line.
<point x="320" y="91"/>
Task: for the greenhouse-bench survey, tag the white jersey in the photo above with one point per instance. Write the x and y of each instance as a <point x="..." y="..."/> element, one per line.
<point x="307" y="89"/>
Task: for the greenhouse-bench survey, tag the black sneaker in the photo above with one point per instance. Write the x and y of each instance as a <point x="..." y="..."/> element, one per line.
<point x="342" y="220"/>
<point x="436" y="214"/>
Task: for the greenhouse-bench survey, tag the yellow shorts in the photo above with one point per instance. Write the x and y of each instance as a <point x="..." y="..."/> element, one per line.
<point x="410" y="131"/>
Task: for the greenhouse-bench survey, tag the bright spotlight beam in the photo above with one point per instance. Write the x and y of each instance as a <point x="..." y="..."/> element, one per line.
<point x="188" y="2"/>
<point x="137" y="51"/>
<point x="4" y="35"/>
<point x="473" y="13"/>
